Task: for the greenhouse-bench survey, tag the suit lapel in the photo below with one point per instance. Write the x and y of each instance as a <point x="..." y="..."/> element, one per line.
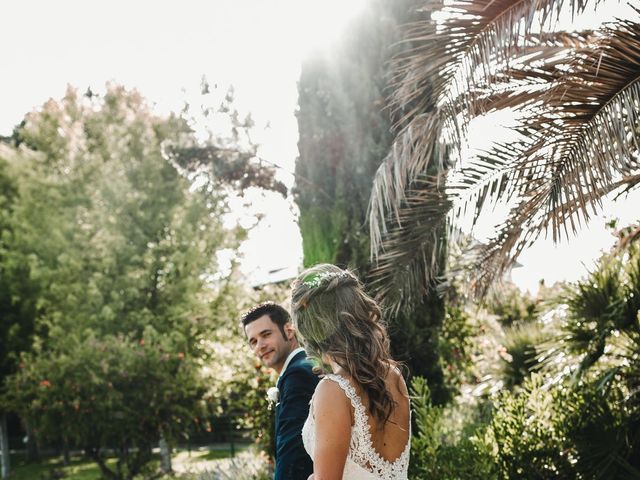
<point x="297" y="357"/>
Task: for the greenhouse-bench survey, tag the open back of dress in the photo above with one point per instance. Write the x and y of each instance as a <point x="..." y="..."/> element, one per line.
<point x="363" y="461"/>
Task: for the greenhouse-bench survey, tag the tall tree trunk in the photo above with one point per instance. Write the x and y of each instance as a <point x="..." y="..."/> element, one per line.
<point x="33" y="450"/>
<point x="4" y="446"/>
<point x="104" y="470"/>
<point x="165" y="455"/>
<point x="65" y="451"/>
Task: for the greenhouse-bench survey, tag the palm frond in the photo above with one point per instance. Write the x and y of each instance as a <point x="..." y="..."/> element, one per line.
<point x="463" y="50"/>
<point x="432" y="123"/>
<point x="523" y="227"/>
<point x="486" y="179"/>
<point x="590" y="124"/>
<point x="490" y="177"/>
<point x="599" y="327"/>
<point x="585" y="143"/>
<point x="395" y="174"/>
<point x="578" y="97"/>
<point x="412" y="251"/>
<point x="535" y="68"/>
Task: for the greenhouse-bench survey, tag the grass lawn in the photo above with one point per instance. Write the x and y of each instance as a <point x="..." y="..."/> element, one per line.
<point x="78" y="469"/>
<point x="81" y="468"/>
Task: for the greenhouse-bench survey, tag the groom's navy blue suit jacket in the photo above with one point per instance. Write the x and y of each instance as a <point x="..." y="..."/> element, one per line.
<point x="296" y="384"/>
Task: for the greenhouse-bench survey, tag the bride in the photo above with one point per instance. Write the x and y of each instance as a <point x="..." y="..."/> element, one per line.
<point x="358" y="426"/>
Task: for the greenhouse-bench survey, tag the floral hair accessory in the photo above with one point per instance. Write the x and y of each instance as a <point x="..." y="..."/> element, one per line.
<point x="316" y="279"/>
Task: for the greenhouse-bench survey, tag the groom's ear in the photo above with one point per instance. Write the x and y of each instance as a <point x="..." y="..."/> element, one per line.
<point x="289" y="331"/>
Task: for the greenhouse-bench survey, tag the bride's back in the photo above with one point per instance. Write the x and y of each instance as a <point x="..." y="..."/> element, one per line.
<point x="389" y="440"/>
<point x="342" y="326"/>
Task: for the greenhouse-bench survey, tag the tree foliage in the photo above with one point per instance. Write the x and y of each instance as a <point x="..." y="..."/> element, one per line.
<point x="121" y="247"/>
<point x="345" y="133"/>
<point x="552" y="396"/>
<point x="113" y="391"/>
<point x="575" y="96"/>
<point x="18" y="292"/>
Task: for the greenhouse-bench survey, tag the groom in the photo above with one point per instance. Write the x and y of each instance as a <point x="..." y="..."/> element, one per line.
<point x="272" y="338"/>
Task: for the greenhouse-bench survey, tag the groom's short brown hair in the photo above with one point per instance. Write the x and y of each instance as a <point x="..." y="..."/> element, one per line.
<point x="276" y="313"/>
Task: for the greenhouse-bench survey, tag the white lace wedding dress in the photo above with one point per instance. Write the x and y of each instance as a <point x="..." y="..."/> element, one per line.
<point x="363" y="462"/>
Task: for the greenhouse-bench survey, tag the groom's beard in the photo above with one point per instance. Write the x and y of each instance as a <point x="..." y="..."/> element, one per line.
<point x="277" y="355"/>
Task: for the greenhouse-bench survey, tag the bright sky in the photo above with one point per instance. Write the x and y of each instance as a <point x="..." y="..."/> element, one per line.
<point x="164" y="48"/>
<point x="569" y="259"/>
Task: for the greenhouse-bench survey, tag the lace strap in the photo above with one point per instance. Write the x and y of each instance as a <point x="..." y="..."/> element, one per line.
<point x="362" y="450"/>
<point x="352" y="395"/>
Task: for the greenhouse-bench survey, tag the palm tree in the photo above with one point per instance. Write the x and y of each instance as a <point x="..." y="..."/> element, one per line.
<point x="576" y="97"/>
<point x="596" y="345"/>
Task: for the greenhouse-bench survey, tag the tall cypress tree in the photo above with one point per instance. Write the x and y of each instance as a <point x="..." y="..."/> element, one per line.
<point x="345" y="133"/>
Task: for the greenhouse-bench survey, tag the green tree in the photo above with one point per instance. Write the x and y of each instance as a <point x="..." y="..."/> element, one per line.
<point x="114" y="391"/>
<point x="577" y="416"/>
<point x="126" y="244"/>
<point x="19" y="293"/>
<point x="345" y="133"/>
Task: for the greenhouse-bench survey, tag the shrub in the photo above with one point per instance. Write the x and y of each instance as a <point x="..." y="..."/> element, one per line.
<point x="456" y="347"/>
<point x="520" y="357"/>
<point x="528" y="433"/>
<point x="512" y="306"/>
<point x="432" y="457"/>
<point x="114" y="391"/>
<point x="549" y="432"/>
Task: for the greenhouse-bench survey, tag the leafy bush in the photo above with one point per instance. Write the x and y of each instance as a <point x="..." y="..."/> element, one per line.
<point x="113" y="391"/>
<point x="549" y="432"/>
<point x="456" y="347"/>
<point x="520" y="358"/>
<point x="432" y="457"/>
<point x="511" y="305"/>
<point x="528" y="433"/>
<point x="603" y="426"/>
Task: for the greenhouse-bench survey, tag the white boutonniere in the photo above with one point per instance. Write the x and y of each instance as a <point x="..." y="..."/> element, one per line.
<point x="273" y="395"/>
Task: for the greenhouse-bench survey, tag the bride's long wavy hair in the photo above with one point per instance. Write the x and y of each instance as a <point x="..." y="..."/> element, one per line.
<point x="336" y="317"/>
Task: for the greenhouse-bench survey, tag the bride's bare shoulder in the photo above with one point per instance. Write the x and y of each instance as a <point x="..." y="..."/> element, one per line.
<point x="330" y="399"/>
<point x="396" y="379"/>
<point x="330" y="386"/>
